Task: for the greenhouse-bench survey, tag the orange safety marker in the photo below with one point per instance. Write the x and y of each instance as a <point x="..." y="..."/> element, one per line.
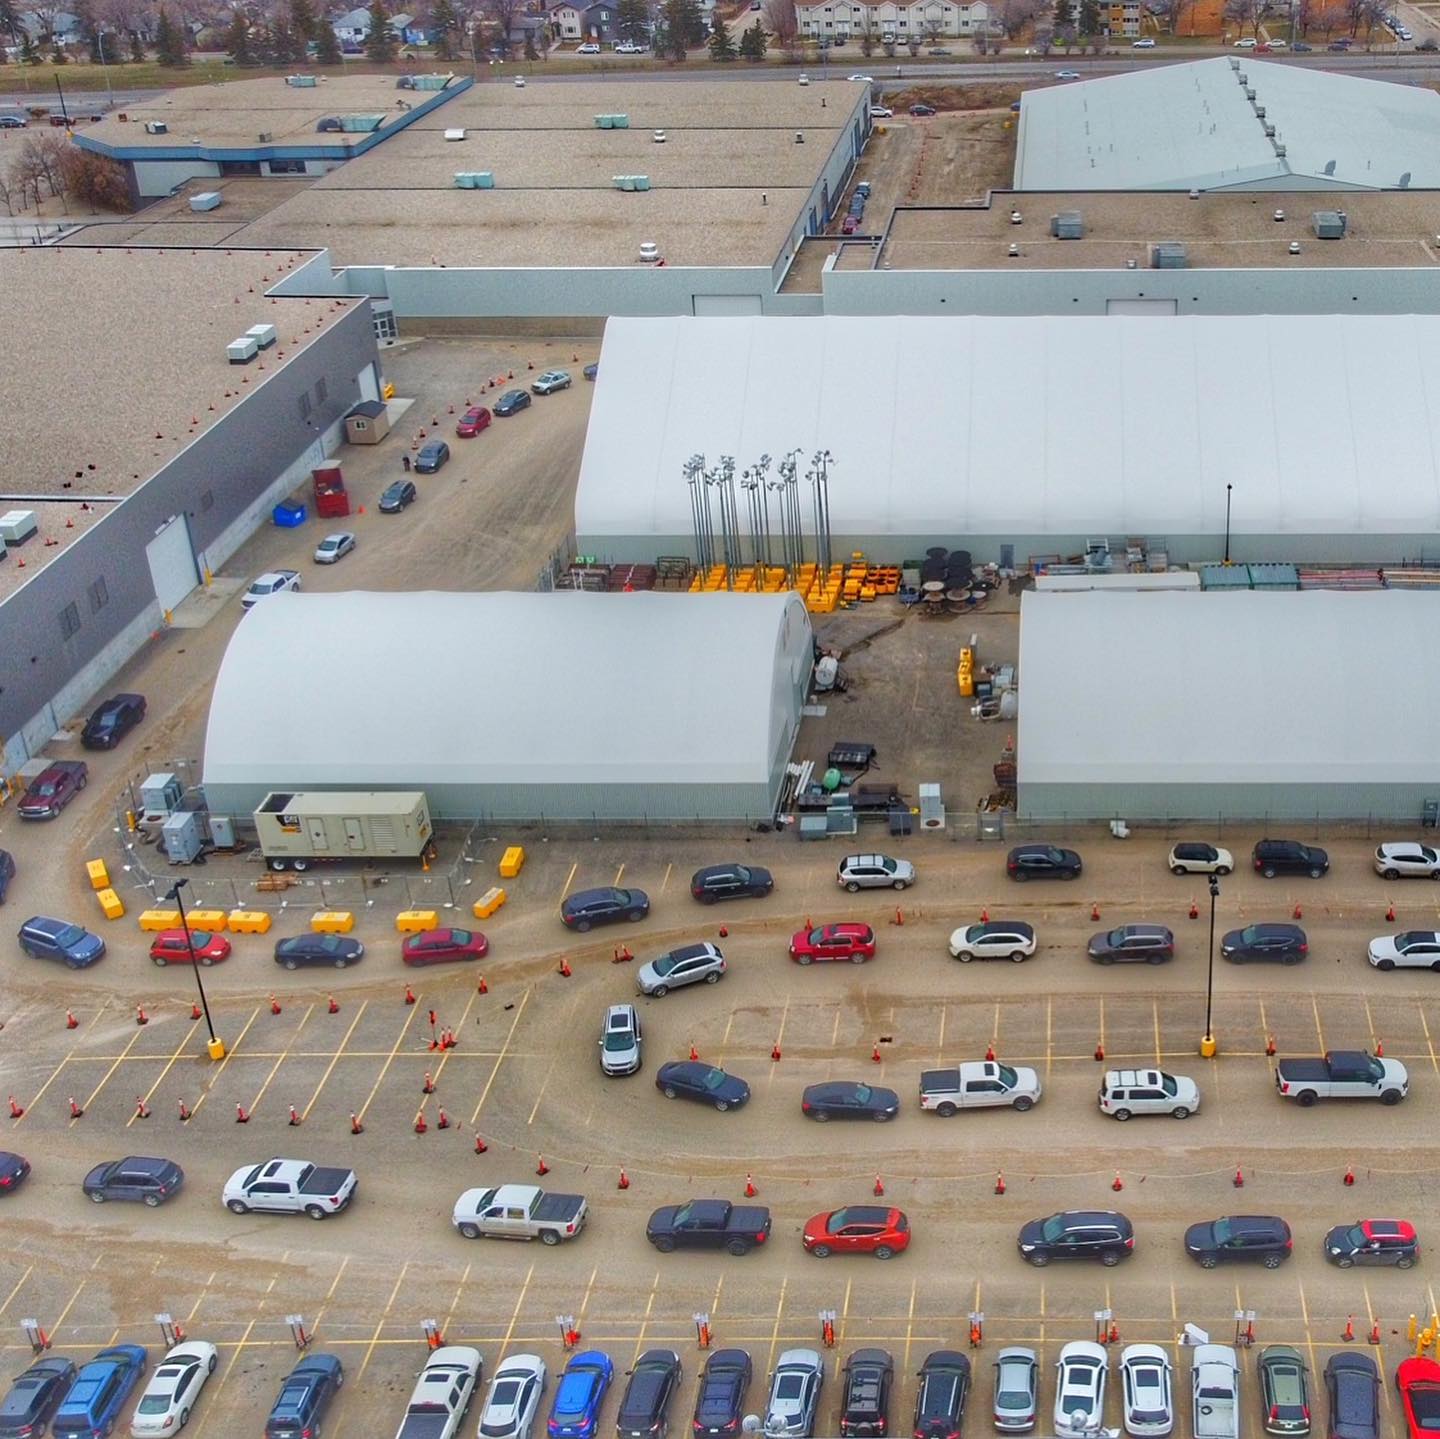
<point x="1297" y="911"/>
<point x="1390" y="913"/>
<point x="1239" y="1180"/>
<point x="142" y="1110"/>
<point x="1000" y="1182"/>
<point x="541" y="1168"/>
<point x="565" y="970"/>
<point x="1100" y="1052"/>
<point x="694" y="1053"/>
<point x="878" y="1189"/>
<point x="1349" y="1179"/>
<point x="1117" y="1184"/>
<point x="409" y="995"/>
<point x="480" y="1145"/>
<point x="899" y="916"/>
<point x="482" y="987"/>
<point x="1270" y="1046"/>
<point x="624" y="1180"/>
<point x="750" y="1190"/>
<point x="984" y="916"/>
<point x="1349" y="1334"/>
<point x="420" y="1126"/>
<point x="990" y="1053"/>
<point x="355" y="1126"/>
<point x="1094" y="911"/>
<point x="16" y="1109"/>
<point x="875" y="1053"/>
<point x="1379" y="1049"/>
<point x="294" y="1116"/>
<point x="428" y="1087"/>
<point x="1375" y="1332"/>
<point x="724" y="932"/>
<point x="332" y="1006"/>
<point x="75" y="1110"/>
<point x="442" y="1120"/>
<point x="140" y="1016"/>
<point x="775" y="1050"/>
<point x="184" y="1112"/>
<point x="274" y="1005"/>
<point x="1194" y="908"/>
<point x="70" y="1021"/>
<point x="241" y="1114"/>
<point x="194" y="1010"/>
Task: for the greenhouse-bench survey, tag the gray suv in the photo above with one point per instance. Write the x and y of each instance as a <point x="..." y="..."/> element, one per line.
<point x="689" y="964"/>
<point x="874" y="871"/>
<point x="620" y="1040"/>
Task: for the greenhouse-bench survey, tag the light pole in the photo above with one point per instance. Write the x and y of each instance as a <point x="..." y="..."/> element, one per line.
<point x="104" y="64"/>
<point x="1207" y="1044"/>
<point x="216" y="1046"/>
<point x="1228" y="488"/>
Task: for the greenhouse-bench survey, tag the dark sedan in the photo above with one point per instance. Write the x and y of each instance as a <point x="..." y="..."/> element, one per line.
<point x="586" y="908"/>
<point x="7" y="873"/>
<point x="687" y="1079"/>
<point x="721" y="1398"/>
<point x="842" y="1099"/>
<point x="397" y="496"/>
<point x="1278" y="943"/>
<point x="443" y="946"/>
<point x="138" y="1177"/>
<point x="512" y="402"/>
<point x="14" y="1170"/>
<point x="1042" y="861"/>
<point x="338" y="950"/>
<point x="730" y="881"/>
<point x="432" y="457"/>
<point x="34" y="1397"/>
<point x="112" y="721"/>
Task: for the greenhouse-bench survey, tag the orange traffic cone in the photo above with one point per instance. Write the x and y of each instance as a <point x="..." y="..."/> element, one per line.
<point x="724" y="932"/>
<point x="1194" y="908"/>
<point x="274" y="1005"/>
<point x="242" y="1115"/>
<point x="990" y="1053"/>
<point x="294" y="1116"/>
<point x="140" y="1016"/>
<point x="420" y="1126"/>
<point x="984" y="916"/>
<point x="194" y="1010"/>
<point x="355" y="1126"/>
<point x="1100" y="1052"/>
<point x="1000" y="1182"/>
<point x="428" y="1087"/>
<point x="75" y="1110"/>
<point x="541" y="1168"/>
<point x="1094" y="911"/>
<point x="1390" y="914"/>
<point x="1239" y="1180"/>
<point x="775" y="1050"/>
<point x="694" y="1053"/>
<point x="480" y="1145"/>
<point x="1349" y="1180"/>
<point x="142" y="1110"/>
<point x="1270" y="1046"/>
<point x="899" y="916"/>
<point x="332" y="1006"/>
<point x="482" y="987"/>
<point x="184" y="1112"/>
<point x="879" y="1188"/>
<point x="875" y="1053"/>
<point x="409" y="995"/>
<point x="565" y="969"/>
<point x="624" y="1181"/>
<point x="1379" y="1049"/>
<point x="442" y="1120"/>
<point x="750" y="1190"/>
<point x="1297" y="912"/>
<point x="70" y="1021"/>
<point x="16" y="1109"/>
<point x="1349" y="1334"/>
<point x="1117" y="1184"/>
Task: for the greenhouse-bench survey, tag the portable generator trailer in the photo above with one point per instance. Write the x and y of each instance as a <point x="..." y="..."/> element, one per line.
<point x="297" y="830"/>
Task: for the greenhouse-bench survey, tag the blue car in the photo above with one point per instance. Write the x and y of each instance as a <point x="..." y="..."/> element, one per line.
<point x="575" y="1414"/>
<point x="304" y="1397"/>
<point x="99" y="1393"/>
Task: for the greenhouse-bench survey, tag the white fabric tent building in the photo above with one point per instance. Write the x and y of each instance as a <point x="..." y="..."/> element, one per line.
<point x="1032" y="432"/>
<point x="1230" y="705"/>
<point x="515" y="706"/>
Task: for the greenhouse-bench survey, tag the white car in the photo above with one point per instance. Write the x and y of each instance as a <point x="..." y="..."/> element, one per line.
<point x="1407" y="861"/>
<point x="1149" y="1406"/>
<point x="629" y="47"/>
<point x="334" y="547"/>
<point x="588" y="48"/>
<point x="868" y="79"/>
<point x="514" y="1397"/>
<point x="794" y="1394"/>
<point x="993" y="939"/>
<point x="1067" y="74"/>
<point x="1414" y="949"/>
<point x="1125" y="1092"/>
<point x="1278" y="44"/>
<point x="1080" y="1389"/>
<point x="880" y="112"/>
<point x="874" y="871"/>
<point x="174" y="1388"/>
<point x="1190" y="858"/>
<point x="1146" y="44"/>
<point x="1245" y="44"/>
<point x="270" y="583"/>
<point x="620" y="1040"/>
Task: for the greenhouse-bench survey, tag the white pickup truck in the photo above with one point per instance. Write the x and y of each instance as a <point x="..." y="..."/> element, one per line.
<point x="981" y="1084"/>
<point x="441" y="1394"/>
<point x="519" y="1211"/>
<point x="289" y="1186"/>
<point x="1342" y="1074"/>
<point x="1215" y="1382"/>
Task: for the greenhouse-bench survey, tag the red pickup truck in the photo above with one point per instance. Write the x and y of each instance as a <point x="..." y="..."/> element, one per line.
<point x="53" y="789"/>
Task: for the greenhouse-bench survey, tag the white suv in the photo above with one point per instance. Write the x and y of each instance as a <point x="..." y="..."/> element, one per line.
<point x="620" y="1040"/>
<point x="874" y="871"/>
<point x="1148" y="1091"/>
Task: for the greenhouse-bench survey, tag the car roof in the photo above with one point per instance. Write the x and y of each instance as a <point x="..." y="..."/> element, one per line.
<point x="867" y="1213"/>
<point x="1256" y="1223"/>
<point x="1388" y="1229"/>
<point x="1145" y="930"/>
<point x="1006" y="926"/>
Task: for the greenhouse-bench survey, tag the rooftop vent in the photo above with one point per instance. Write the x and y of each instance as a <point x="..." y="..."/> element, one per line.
<point x="1167" y="255"/>
<point x="301" y="82"/>
<point x="1068" y="225"/>
<point x="457" y="133"/>
<point x="266" y="136"/>
<point x="649" y="252"/>
<point x="263" y="335"/>
<point x="243" y="350"/>
<point x="1405" y="181"/>
<point x="156" y="127"/>
<point x="1280" y="151"/>
<point x="1294" y="247"/>
<point x="1260" y="112"/>
<point x="16" y="526"/>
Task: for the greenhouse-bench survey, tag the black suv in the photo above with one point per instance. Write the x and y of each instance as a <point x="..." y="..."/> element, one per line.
<point x="721" y="1400"/>
<point x="589" y="907"/>
<point x="1078" y="1234"/>
<point x="652" y="1385"/>
<point x="34" y="1397"/>
<point x="944" y="1387"/>
<point x="1133" y="944"/>
<point x="1281" y="943"/>
<point x="1042" y="861"/>
<point x="1353" y="1383"/>
<point x="113" y="721"/>
<point x="730" y="881"/>
<point x="1289" y="856"/>
<point x="865" y="1407"/>
<point x="1259" y="1237"/>
<point x="1373" y="1241"/>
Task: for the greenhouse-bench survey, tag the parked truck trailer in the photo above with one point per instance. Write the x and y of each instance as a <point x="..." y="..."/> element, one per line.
<point x="297" y="830"/>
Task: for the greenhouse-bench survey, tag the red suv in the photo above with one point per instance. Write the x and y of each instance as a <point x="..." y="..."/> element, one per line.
<point x="170" y="947"/>
<point x="860" y="1229"/>
<point x="54" y="788"/>
<point x="440" y="946"/>
<point x="855" y="942"/>
<point x="475" y="419"/>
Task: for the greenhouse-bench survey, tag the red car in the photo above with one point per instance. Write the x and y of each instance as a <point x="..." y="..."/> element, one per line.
<point x="53" y="788"/>
<point x="1418" y="1381"/>
<point x="849" y="225"/>
<point x="855" y="942"/>
<point x="440" y="946"/>
<point x="170" y="947"/>
<point x="475" y="419"/>
<point x="859" y="1229"/>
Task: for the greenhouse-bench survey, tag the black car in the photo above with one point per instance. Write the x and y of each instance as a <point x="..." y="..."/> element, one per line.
<point x="338" y="950"/>
<point x="1289" y="856"/>
<point x="1352" y="1382"/>
<point x="34" y="1397"/>
<point x="397" y="496"/>
<point x="432" y="457"/>
<point x="687" y="1079"/>
<point x="846" y="1099"/>
<point x="1133" y="944"/>
<point x="646" y="1402"/>
<point x="304" y="1397"/>
<point x="944" y="1387"/>
<point x="7" y="872"/>
<point x="586" y="908"/>
<point x="865" y="1401"/>
<point x="14" y="1170"/>
<point x="1373" y="1241"/>
<point x="1042" y="861"/>
<point x="1078" y="1234"/>
<point x="113" y="721"/>
<point x="730" y="881"/>
<point x="919" y="108"/>
<point x="591" y="370"/>
<point x="721" y="1398"/>
<point x="512" y="402"/>
<point x="1279" y="943"/>
<point x="1261" y="1238"/>
<point x="152" y="1181"/>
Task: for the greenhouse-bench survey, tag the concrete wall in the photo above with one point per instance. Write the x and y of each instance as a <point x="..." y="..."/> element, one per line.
<point x="153" y="178"/>
<point x="1224" y="804"/>
<point x="220" y="482"/>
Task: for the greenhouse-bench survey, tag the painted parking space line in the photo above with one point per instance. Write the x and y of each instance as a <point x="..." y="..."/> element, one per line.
<point x="569" y="879"/>
<point x="664" y="882"/>
<point x="389" y="1060"/>
<point x="19" y="1285"/>
<point x="275" y="1068"/>
<point x="1429" y="1044"/>
<point x="585" y="1298"/>
<point x="500" y="1058"/>
<point x="169" y="1065"/>
<point x="200" y="1298"/>
<point x="939" y="1040"/>
<point x="619" y="874"/>
<point x="779" y="1315"/>
<point x="71" y="1055"/>
<point x="335" y="1059"/>
<point x="519" y="1303"/>
<point x="220" y="1068"/>
<point x="844" y="1315"/>
<point x="1319" y="1028"/>
<point x="645" y="1319"/>
<point x="213" y="1399"/>
<point x="64" y="1313"/>
<point x="384" y="1317"/>
<point x="909" y="1326"/>
<point x="1049" y="1034"/>
<point x="780" y="1041"/>
<point x="94" y="1093"/>
<point x="1159" y="1051"/>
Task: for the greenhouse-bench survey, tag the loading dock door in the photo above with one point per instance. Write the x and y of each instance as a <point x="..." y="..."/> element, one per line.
<point x="1141" y="307"/>
<point x="727" y="304"/>
<point x="172" y="563"/>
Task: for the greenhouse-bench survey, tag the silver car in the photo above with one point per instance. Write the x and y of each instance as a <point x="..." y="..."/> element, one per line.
<point x="794" y="1394"/>
<point x="690" y="964"/>
<point x="1145" y="1374"/>
<point x="514" y="1397"/>
<point x="334" y="547"/>
<point x="620" y="1040"/>
<point x="1017" y="1382"/>
<point x="1407" y="860"/>
<point x="874" y="871"/>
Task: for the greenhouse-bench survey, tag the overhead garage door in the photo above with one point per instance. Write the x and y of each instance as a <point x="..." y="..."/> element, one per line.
<point x="172" y="563"/>
<point x="727" y="304"/>
<point x="1140" y="307"/>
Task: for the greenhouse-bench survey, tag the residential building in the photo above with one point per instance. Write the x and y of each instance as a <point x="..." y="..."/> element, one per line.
<point x="352" y="27"/>
<point x="924" y="19"/>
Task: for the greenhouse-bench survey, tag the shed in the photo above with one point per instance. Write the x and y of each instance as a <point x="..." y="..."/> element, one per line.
<point x="368" y="423"/>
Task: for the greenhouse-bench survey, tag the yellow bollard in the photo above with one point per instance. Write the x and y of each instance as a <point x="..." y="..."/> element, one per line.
<point x="1423" y="1342"/>
<point x="1412" y="1329"/>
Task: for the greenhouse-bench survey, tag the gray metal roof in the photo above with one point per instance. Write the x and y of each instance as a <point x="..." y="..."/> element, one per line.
<point x="1249" y="687"/>
<point x="364" y="690"/>
<point x="1192" y="126"/>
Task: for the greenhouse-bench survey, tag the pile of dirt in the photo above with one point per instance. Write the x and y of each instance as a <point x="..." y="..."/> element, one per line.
<point x="993" y="95"/>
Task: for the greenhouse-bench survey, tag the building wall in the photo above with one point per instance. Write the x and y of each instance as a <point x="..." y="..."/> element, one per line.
<point x="216" y="481"/>
<point x="153" y="178"/>
<point x="921" y="19"/>
<point x="1220" y="804"/>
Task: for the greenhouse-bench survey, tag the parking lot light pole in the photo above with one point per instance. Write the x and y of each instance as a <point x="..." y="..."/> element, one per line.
<point x="1207" y="1044"/>
<point x="1228" y="488"/>
<point x="216" y="1046"/>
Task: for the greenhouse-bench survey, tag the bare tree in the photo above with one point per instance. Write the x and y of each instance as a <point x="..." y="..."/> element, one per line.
<point x="782" y="22"/>
<point x="1171" y="13"/>
<point x="1014" y="16"/>
<point x="1242" y="13"/>
<point x="502" y="14"/>
<point x="6" y="190"/>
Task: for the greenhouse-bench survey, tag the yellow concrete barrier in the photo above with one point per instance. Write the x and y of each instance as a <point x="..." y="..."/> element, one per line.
<point x="332" y="921"/>
<point x="157" y="919"/>
<point x="412" y="921"/>
<point x="99" y="875"/>
<point x="488" y="903"/>
<point x="512" y="861"/>
<point x="212" y="919"/>
<point x="249" y="921"/>
<point x="111" y="903"/>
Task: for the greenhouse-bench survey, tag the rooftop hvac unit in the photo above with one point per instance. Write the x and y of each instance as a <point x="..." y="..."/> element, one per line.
<point x="474" y="180"/>
<point x="1249" y="93"/>
<point x="156" y="127"/>
<point x="1167" y="255"/>
<point x="1269" y="129"/>
<point x="266" y="136"/>
<point x="1234" y="63"/>
<point x="243" y="350"/>
<point x="301" y="82"/>
<point x="328" y="124"/>
<point x="1280" y="151"/>
<point x="1260" y="112"/>
<point x="1067" y="225"/>
<point x="205" y="200"/>
<point x="455" y="134"/>
<point x="263" y="335"/>
<point x="649" y="252"/>
<point x="16" y="526"/>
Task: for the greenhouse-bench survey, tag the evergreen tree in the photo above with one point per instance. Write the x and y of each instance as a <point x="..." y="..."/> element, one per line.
<point x="329" y="52"/>
<point x="722" y="47"/>
<point x="58" y="55"/>
<point x="237" y="41"/>
<point x="632" y="19"/>
<point x="697" y="32"/>
<point x="677" y="29"/>
<point x="137" y="48"/>
<point x="170" y="41"/>
<point x="1062" y="21"/>
<point x="303" y="22"/>
<point x="280" y="43"/>
<point x="531" y="53"/>
<point x="380" y="45"/>
<point x="29" y="55"/>
<point x="753" y="43"/>
<point x="9" y="21"/>
<point x="444" y="25"/>
<point x="1089" y="21"/>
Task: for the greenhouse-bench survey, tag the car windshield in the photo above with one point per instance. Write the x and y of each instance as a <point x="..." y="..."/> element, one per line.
<point x="1167" y="1083"/>
<point x="664" y="964"/>
<point x="71" y="934"/>
<point x="1221" y="1231"/>
<point x="1356" y="1238"/>
<point x="1008" y="1077"/>
<point x="1053" y="1228"/>
<point x="1149" y="1416"/>
<point x="714" y="1078"/>
<point x="618" y="1039"/>
<point x="863" y="1094"/>
<point x="816" y="936"/>
<point x="505" y="1393"/>
<point x="1251" y="933"/>
<point x="46" y="788"/>
<point x="1425" y="1405"/>
<point x="1116" y="936"/>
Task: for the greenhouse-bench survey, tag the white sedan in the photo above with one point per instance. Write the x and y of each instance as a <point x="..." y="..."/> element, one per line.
<point x="1146" y="44"/>
<point x="1080" y="1389"/>
<point x="993" y="939"/>
<point x="174" y="1388"/>
<point x="1407" y="860"/>
<point x="868" y="79"/>
<point x="1145" y="1374"/>
<point x="334" y="547"/>
<point x="1414" y="949"/>
<point x="514" y="1397"/>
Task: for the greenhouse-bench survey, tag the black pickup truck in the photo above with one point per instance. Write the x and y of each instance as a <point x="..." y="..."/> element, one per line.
<point x="709" y="1224"/>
